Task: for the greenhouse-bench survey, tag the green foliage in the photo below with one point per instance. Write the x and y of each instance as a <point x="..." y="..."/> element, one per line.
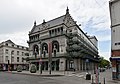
<point x="33" y="68"/>
<point x="103" y="63"/>
<point x="19" y="68"/>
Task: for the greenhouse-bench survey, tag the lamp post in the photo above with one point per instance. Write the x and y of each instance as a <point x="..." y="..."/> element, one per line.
<point x="11" y="60"/>
<point x="50" y="57"/>
<point x="40" y="61"/>
<point x="87" y="67"/>
<point x="8" y="65"/>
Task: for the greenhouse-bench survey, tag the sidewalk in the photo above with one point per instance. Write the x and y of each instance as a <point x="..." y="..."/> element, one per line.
<point x="53" y="73"/>
<point x="44" y="73"/>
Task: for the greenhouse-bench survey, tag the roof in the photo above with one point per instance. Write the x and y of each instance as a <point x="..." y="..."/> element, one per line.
<point x="92" y="37"/>
<point x="48" y="24"/>
<point x="114" y="0"/>
<point x="9" y="41"/>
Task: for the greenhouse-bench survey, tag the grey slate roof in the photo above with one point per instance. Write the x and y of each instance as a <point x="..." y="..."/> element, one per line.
<point x="48" y="24"/>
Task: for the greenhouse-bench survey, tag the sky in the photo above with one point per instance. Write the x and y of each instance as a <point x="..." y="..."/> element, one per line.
<point x="17" y="18"/>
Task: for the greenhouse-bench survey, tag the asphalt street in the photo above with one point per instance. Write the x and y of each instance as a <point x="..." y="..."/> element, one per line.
<point x="10" y="78"/>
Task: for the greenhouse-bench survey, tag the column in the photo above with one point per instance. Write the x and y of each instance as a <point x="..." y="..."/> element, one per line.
<point x="55" y="66"/>
<point x="62" y="64"/>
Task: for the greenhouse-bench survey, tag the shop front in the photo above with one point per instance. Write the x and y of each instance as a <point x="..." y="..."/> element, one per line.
<point x="115" y="68"/>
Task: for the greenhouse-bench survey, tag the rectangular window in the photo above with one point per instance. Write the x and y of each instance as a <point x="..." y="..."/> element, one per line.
<point x="6" y="58"/>
<point x="17" y="46"/>
<point x="115" y="43"/>
<point x="119" y="43"/>
<point x="17" y="52"/>
<point x="6" y="51"/>
<point x="12" y="59"/>
<point x="26" y="54"/>
<point x="22" y="47"/>
<point x="12" y="45"/>
<point x="61" y="30"/>
<point x="27" y="49"/>
<point x="58" y="30"/>
<point x="50" y="32"/>
<point x="55" y="31"/>
<point x="22" y="53"/>
<point x="22" y="59"/>
<point x="6" y="44"/>
<point x="17" y="59"/>
<point x="12" y="52"/>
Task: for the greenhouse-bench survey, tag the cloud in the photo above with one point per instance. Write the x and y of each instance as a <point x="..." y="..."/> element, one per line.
<point x="17" y="17"/>
<point x="19" y="38"/>
<point x="106" y="55"/>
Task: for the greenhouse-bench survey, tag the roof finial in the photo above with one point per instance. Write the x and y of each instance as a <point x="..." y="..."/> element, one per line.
<point x="44" y="21"/>
<point x="35" y="23"/>
<point x="67" y="10"/>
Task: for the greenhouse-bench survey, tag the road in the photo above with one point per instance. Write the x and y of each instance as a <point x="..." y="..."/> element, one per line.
<point x="9" y="78"/>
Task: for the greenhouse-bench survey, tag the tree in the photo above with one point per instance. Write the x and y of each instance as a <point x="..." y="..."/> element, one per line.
<point x="103" y="63"/>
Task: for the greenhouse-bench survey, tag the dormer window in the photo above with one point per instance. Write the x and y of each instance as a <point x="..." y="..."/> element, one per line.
<point x="17" y="46"/>
<point x="12" y="45"/>
<point x="22" y="47"/>
<point x="6" y="44"/>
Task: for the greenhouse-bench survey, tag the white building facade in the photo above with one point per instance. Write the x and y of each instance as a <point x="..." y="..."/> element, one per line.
<point x="12" y="55"/>
<point x="57" y="33"/>
<point x="115" y="37"/>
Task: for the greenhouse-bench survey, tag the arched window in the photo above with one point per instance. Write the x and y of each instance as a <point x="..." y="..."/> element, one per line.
<point x="55" y="46"/>
<point x="35" y="50"/>
<point x="44" y="48"/>
<point x="44" y="52"/>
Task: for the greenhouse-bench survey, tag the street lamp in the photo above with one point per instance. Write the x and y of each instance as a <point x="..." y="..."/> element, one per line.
<point x="40" y="61"/>
<point x="11" y="59"/>
<point x="50" y="57"/>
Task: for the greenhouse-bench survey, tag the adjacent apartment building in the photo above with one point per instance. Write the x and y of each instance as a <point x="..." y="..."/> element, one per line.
<point x="12" y="55"/>
<point x="115" y="37"/>
<point x="62" y="43"/>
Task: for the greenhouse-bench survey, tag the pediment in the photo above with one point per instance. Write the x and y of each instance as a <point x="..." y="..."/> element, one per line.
<point x="69" y="20"/>
<point x="9" y="41"/>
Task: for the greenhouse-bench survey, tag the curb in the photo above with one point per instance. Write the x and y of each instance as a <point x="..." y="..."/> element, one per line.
<point x="52" y="75"/>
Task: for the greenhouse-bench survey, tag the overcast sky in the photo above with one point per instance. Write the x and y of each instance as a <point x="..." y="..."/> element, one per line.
<point x="17" y="18"/>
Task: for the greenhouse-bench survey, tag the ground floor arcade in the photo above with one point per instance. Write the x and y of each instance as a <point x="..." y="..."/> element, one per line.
<point x="64" y="64"/>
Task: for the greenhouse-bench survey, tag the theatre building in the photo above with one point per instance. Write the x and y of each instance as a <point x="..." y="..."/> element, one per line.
<point x="115" y="37"/>
<point x="62" y="39"/>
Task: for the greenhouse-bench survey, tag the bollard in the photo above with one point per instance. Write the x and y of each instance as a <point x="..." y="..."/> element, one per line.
<point x="104" y="80"/>
<point x="92" y="80"/>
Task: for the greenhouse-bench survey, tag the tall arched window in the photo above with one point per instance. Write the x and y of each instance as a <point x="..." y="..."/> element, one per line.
<point x="44" y="48"/>
<point x="35" y="50"/>
<point x="55" y="46"/>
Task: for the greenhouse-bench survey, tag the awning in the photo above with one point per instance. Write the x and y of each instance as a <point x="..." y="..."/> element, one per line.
<point x="115" y="58"/>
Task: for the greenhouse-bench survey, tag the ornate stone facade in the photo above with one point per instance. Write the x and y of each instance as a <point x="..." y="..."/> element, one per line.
<point x="57" y="32"/>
